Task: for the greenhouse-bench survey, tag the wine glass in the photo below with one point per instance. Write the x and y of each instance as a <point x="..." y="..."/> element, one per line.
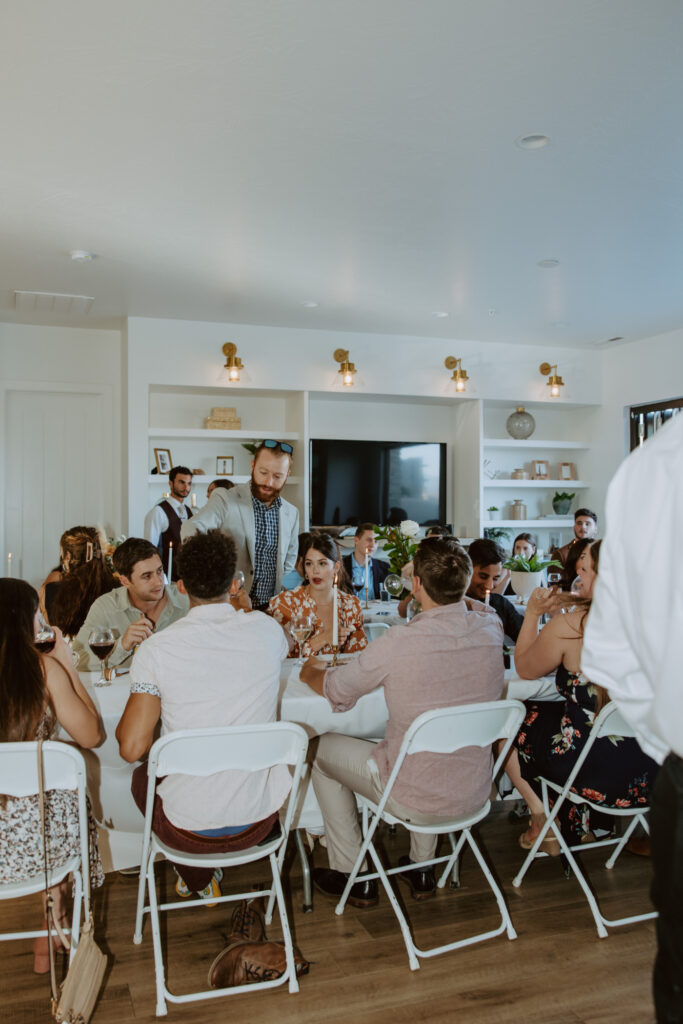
<point x="395" y="584"/>
<point x="302" y="627"/>
<point x="45" y="637"/>
<point x="554" y="579"/>
<point x="239" y="576"/>
<point x="576" y="588"/>
<point x="101" y="643"/>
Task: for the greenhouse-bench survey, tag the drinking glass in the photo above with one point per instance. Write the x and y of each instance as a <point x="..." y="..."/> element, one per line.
<point x="101" y="643"/>
<point x="45" y="637"/>
<point x="395" y="585"/>
<point x="554" y="579"/>
<point x="302" y="627"/>
<point x="239" y="576"/>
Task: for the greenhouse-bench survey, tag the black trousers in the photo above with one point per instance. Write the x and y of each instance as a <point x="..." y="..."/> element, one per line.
<point x="666" y="826"/>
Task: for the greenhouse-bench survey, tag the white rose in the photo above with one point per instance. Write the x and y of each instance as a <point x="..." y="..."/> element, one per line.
<point x="409" y="528"/>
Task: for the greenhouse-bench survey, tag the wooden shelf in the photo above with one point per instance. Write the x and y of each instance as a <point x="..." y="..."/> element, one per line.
<point x="532" y="443"/>
<point x="548" y="484"/>
<point x="199" y="434"/>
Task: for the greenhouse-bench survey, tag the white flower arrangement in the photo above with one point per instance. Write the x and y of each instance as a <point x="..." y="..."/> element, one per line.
<point x="409" y="528"/>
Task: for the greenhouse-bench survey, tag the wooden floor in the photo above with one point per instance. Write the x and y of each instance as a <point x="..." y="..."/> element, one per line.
<point x="557" y="970"/>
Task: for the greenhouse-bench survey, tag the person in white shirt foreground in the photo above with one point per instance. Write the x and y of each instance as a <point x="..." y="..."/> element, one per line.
<point x="215" y="667"/>
<point x="634" y="647"/>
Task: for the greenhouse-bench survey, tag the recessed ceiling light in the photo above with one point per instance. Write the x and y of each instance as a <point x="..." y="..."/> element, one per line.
<point x="548" y="264"/>
<point x="535" y="141"/>
<point x="82" y="256"/>
<point x="440" y="314"/>
<point x="309" y="305"/>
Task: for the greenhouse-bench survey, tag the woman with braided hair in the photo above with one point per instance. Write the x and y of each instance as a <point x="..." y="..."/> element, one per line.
<point x="85" y="577"/>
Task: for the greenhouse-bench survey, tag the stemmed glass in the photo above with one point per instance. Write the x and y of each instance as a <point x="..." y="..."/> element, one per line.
<point x="101" y="643"/>
<point x="239" y="576"/>
<point x="395" y="585"/>
<point x="45" y="637"/>
<point x="554" y="579"/>
<point x="302" y="627"/>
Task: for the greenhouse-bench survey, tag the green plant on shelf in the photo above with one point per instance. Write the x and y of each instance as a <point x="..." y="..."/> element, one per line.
<point x="534" y="564"/>
<point x="563" y="496"/>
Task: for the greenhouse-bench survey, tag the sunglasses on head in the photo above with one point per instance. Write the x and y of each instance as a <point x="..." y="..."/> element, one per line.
<point x="282" y="445"/>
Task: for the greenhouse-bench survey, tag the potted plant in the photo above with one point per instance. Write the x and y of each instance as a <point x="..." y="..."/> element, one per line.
<point x="527" y="573"/>
<point x="562" y="502"/>
<point x="494" y="512"/>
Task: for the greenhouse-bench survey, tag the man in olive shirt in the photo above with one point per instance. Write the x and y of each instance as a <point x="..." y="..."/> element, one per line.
<point x="143" y="605"/>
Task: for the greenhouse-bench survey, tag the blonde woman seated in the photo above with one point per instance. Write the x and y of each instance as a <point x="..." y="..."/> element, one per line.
<point x="315" y="598"/>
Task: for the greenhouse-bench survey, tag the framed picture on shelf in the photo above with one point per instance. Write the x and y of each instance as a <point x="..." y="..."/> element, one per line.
<point x="540" y="469"/>
<point x="163" y="460"/>
<point x="567" y="471"/>
<point x="225" y="465"/>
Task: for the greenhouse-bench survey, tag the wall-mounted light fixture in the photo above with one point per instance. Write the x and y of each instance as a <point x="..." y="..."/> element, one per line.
<point x="554" y="381"/>
<point x="233" y="363"/>
<point x="347" y="369"/>
<point x="459" y="375"/>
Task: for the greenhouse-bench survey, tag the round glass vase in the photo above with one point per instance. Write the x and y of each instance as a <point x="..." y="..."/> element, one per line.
<point x="520" y="424"/>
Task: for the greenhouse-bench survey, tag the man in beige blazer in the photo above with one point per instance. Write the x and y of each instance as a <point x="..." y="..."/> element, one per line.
<point x="264" y="526"/>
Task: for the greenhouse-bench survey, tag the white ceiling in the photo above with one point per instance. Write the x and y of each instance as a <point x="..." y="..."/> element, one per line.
<point x="232" y="160"/>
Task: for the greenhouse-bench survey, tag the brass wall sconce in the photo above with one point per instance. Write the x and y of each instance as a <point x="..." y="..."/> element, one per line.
<point x="233" y="363"/>
<point x="459" y="375"/>
<point x="347" y="369"/>
<point x="554" y="381"/>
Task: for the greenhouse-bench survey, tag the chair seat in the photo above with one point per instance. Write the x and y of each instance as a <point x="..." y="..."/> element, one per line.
<point x="216" y="860"/>
<point x="14" y="890"/>
<point x="452" y="825"/>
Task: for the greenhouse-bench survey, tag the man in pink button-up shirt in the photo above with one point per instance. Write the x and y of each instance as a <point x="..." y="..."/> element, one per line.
<point x="451" y="653"/>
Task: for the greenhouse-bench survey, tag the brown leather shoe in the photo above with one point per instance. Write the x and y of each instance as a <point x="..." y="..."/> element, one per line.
<point x="421" y="880"/>
<point x="332" y="883"/>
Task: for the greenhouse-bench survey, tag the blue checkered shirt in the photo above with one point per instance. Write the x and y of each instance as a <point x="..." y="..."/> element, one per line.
<point x="266" y="534"/>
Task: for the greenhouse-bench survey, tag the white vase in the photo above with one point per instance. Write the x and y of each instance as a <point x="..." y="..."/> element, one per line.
<point x="524" y="582"/>
<point x="496" y="515"/>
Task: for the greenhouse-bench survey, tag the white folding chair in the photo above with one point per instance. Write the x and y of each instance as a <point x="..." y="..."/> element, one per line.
<point x="609" y="722"/>
<point x="442" y="731"/>
<point x="64" y="768"/>
<point x="374" y="630"/>
<point x="203" y="752"/>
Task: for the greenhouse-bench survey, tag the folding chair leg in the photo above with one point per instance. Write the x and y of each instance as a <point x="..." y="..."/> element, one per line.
<point x="500" y="899"/>
<point x="305" y="872"/>
<point x="142" y="885"/>
<point x="396" y="907"/>
<point x="76" y="915"/>
<point x="622" y="843"/>
<point x="453" y="866"/>
<point x="161" y="1010"/>
<point x="284" y="922"/>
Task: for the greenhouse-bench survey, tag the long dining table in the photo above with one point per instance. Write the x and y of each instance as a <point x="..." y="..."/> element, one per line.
<point x="109" y="776"/>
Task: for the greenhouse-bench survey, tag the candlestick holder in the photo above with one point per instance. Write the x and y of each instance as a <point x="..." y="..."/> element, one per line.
<point x="367" y="603"/>
<point x="335" y="653"/>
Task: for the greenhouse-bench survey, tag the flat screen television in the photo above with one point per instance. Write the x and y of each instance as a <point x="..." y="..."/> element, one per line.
<point x="377" y="481"/>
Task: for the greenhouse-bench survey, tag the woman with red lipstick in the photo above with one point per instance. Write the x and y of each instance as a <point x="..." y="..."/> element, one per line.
<point x="322" y="563"/>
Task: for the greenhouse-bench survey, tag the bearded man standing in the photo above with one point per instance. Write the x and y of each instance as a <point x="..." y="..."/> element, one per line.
<point x="264" y="526"/>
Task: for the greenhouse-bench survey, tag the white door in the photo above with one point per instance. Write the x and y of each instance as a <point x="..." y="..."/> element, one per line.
<point x="57" y="458"/>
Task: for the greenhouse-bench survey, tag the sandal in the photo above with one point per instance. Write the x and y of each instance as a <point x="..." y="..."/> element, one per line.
<point x="550" y="844"/>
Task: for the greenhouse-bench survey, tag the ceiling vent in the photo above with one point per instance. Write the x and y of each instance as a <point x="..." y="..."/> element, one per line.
<point x="53" y="302"/>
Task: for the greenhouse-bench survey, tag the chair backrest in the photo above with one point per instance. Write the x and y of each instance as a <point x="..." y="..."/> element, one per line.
<point x="374" y="630"/>
<point x="63" y="768"/>
<point x="445" y="730"/>
<point x="251" y="748"/>
<point x="611" y="722"/>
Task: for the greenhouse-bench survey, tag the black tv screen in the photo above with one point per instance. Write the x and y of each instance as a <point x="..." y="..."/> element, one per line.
<point x="378" y="482"/>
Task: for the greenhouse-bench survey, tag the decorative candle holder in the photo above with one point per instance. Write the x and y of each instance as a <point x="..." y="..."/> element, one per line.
<point x="335" y="654"/>
<point x="367" y="603"/>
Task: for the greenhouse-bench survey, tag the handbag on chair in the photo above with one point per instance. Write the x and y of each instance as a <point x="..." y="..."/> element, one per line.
<point x="72" y="1002"/>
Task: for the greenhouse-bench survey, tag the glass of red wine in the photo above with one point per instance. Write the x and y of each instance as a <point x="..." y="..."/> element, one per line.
<point x="45" y="637"/>
<point x="101" y="643"/>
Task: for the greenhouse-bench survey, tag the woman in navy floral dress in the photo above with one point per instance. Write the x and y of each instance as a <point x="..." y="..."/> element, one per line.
<point x="616" y="772"/>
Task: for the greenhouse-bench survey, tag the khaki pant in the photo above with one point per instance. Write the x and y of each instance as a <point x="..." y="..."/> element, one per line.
<point x="342" y="767"/>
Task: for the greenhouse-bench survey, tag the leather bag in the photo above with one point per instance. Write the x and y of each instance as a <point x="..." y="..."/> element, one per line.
<point x="72" y="1002"/>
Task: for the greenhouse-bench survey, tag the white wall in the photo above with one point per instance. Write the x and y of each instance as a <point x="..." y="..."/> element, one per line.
<point x="33" y="356"/>
<point x="644" y="371"/>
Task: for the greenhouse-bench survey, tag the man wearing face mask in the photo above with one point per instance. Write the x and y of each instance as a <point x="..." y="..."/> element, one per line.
<point x="264" y="526"/>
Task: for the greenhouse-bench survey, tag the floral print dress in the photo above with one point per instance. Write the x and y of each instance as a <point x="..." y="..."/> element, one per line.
<point x="21" y="844"/>
<point x="616" y="773"/>
<point x="290" y="603"/>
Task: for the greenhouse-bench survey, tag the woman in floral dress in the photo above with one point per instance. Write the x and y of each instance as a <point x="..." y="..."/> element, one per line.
<point x="616" y="771"/>
<point x="322" y="563"/>
<point x="38" y="692"/>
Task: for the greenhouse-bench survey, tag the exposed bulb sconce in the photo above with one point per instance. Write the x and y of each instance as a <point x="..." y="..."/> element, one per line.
<point x="347" y="369"/>
<point x="459" y="375"/>
<point x="554" y="381"/>
<point x="233" y="363"/>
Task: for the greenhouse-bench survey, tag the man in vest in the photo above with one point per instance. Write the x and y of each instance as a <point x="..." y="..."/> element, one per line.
<point x="163" y="521"/>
